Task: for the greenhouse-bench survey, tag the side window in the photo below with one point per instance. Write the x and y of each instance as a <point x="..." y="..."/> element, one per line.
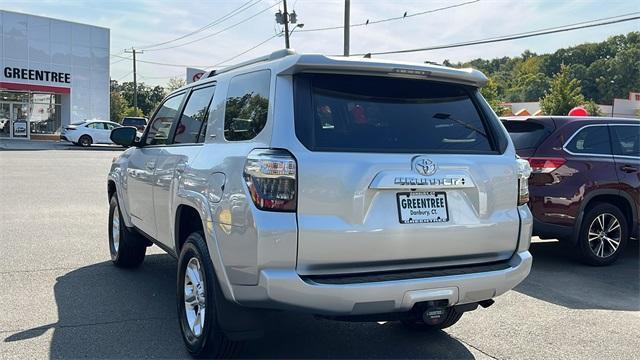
<point x="110" y="126"/>
<point x="194" y="116"/>
<point x="160" y="127"/>
<point x="247" y="105"/>
<point x="591" y="140"/>
<point x="96" y="125"/>
<point x="626" y="140"/>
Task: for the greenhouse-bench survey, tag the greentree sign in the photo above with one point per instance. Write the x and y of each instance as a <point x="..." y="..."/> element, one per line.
<point x="38" y="75"/>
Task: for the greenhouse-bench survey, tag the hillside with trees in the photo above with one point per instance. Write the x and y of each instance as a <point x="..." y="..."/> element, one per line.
<point x="602" y="71"/>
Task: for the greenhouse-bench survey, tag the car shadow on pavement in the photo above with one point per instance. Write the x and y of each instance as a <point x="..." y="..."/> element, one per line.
<point x="558" y="278"/>
<point x="106" y="312"/>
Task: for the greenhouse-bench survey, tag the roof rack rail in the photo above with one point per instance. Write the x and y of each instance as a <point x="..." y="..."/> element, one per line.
<point x="273" y="56"/>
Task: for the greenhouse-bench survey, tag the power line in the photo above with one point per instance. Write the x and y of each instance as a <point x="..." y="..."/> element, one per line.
<point x="555" y="27"/>
<point x="159" y="63"/>
<point x="219" y="20"/>
<point x="366" y="23"/>
<point x="505" y="37"/>
<point x="118" y="61"/>
<point x="218" y="32"/>
<point x="159" y="77"/>
<point x="124" y="76"/>
<point x="246" y="51"/>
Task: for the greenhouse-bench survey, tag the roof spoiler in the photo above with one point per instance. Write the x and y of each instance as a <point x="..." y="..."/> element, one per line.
<point x="273" y="56"/>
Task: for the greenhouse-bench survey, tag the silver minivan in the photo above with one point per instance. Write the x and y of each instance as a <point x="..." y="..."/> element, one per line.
<point x="353" y="189"/>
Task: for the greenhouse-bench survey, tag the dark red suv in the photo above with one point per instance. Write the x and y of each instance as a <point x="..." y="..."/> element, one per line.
<point x="585" y="185"/>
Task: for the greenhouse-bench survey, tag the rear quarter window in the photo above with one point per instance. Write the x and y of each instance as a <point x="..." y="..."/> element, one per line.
<point x="247" y="105"/>
<point x="590" y="140"/>
<point x="355" y="113"/>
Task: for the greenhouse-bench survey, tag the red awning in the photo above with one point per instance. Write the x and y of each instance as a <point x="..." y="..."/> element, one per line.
<point x="33" y="87"/>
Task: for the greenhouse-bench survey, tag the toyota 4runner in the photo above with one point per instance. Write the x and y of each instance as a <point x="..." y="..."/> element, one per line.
<point x="354" y="189"/>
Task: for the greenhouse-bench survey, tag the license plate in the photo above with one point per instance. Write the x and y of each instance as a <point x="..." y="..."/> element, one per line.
<point x="422" y="207"/>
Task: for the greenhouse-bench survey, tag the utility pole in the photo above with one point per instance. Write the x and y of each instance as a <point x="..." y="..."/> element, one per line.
<point x="285" y="19"/>
<point x="347" y="15"/>
<point x="135" y="83"/>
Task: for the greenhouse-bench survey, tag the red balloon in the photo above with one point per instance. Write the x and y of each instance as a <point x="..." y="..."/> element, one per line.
<point x="578" y="111"/>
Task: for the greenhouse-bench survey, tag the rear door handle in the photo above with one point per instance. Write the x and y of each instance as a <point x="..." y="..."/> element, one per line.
<point x="628" y="168"/>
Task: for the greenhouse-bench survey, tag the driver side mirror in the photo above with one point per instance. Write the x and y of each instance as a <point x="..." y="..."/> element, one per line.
<point x="124" y="136"/>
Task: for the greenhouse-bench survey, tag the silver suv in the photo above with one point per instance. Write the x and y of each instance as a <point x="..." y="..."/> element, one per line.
<point x="354" y="189"/>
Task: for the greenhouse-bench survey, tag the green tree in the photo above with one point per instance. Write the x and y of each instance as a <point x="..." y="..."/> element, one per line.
<point x="605" y="70"/>
<point x="117" y="105"/>
<point x="563" y="95"/>
<point x="490" y="93"/>
<point x="175" y="83"/>
<point x="592" y="108"/>
<point x="148" y="97"/>
<point x="133" y="112"/>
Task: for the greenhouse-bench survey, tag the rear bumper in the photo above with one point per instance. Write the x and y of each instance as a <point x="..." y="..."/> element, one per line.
<point x="285" y="289"/>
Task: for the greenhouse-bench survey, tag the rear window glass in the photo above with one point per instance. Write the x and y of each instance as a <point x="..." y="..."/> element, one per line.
<point x="380" y="114"/>
<point x="626" y="140"/>
<point x="129" y="121"/>
<point x="526" y="134"/>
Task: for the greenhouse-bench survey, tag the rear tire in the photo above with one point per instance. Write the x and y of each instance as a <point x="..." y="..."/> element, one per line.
<point x="127" y="247"/>
<point x="603" y="235"/>
<point x="196" y="292"/>
<point x="416" y="324"/>
<point x="85" y="141"/>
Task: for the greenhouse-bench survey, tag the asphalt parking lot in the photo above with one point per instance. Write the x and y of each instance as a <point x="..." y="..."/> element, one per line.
<point x="60" y="297"/>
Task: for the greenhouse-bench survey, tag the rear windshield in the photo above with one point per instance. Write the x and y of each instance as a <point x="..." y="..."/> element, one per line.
<point x="526" y="134"/>
<point x="134" y="121"/>
<point x="355" y="113"/>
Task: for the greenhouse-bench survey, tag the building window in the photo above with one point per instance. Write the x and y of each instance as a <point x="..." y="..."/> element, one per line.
<point x="46" y="114"/>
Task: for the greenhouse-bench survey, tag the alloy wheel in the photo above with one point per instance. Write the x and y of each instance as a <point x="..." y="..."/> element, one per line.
<point x="194" y="296"/>
<point x="605" y="234"/>
<point x="115" y="230"/>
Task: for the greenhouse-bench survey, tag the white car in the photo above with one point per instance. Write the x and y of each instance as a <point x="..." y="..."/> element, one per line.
<point x="89" y="132"/>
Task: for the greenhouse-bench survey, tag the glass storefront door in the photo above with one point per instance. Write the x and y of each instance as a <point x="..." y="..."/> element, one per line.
<point x="5" y="122"/>
<point x="14" y="120"/>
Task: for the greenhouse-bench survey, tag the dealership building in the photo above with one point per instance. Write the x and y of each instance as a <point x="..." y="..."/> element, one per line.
<point x="54" y="73"/>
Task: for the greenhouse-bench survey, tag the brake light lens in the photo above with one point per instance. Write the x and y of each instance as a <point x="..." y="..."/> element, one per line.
<point x="524" y="171"/>
<point x="271" y="177"/>
<point x="69" y="128"/>
<point x="545" y="165"/>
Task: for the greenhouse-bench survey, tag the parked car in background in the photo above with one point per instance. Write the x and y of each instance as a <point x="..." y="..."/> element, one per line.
<point x="138" y="122"/>
<point x="88" y="132"/>
<point x="585" y="185"/>
<point x="354" y="189"/>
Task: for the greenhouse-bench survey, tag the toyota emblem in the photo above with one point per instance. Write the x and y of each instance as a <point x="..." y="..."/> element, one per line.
<point x="425" y="167"/>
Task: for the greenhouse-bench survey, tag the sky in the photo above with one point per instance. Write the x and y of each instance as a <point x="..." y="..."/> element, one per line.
<point x="141" y="23"/>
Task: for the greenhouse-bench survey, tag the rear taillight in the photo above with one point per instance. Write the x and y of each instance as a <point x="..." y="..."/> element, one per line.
<point x="69" y="128"/>
<point x="544" y="165"/>
<point x="524" y="171"/>
<point x="271" y="179"/>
